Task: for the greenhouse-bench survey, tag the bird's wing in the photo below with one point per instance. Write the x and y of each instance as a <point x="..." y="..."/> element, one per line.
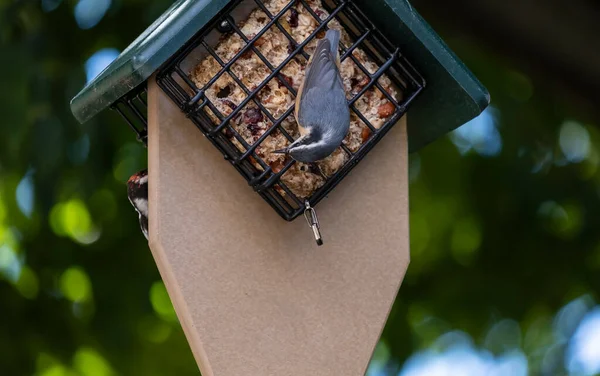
<point x="323" y="72"/>
<point x="334" y="40"/>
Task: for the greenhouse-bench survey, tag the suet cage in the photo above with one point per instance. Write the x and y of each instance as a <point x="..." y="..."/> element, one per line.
<point x="386" y="43"/>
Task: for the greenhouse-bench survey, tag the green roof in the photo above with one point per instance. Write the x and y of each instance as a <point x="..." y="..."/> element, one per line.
<point x="145" y="55"/>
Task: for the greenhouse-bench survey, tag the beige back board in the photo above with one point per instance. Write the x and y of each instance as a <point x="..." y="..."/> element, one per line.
<point x="254" y="293"/>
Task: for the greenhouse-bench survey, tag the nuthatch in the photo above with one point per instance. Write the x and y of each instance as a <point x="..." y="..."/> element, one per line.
<point x="137" y="192"/>
<point x="321" y="109"/>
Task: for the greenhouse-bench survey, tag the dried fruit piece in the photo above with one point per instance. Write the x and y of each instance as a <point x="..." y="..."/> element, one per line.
<point x="386" y="110"/>
<point x="365" y="134"/>
<point x="260" y="41"/>
<point x="277" y="166"/>
<point x="253" y="116"/>
<point x="293" y="18"/>
<point x="247" y="54"/>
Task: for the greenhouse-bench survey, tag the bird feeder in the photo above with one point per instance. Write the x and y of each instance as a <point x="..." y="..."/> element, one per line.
<point x="254" y="296"/>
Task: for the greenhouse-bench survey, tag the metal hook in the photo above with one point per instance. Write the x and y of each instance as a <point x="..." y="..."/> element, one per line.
<point x="311" y="217"/>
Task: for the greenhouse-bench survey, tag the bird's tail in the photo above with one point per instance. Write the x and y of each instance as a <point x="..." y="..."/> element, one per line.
<point x="334" y="40"/>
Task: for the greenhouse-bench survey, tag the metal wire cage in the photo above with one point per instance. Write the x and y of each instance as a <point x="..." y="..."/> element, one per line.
<point x="173" y="78"/>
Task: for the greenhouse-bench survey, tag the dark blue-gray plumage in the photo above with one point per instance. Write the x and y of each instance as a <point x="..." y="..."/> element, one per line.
<point x="322" y="110"/>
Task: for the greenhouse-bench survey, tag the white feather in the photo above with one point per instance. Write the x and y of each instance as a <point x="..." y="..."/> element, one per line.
<point x="141" y="205"/>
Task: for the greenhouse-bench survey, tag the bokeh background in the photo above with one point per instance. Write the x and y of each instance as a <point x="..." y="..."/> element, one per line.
<point x="505" y="221"/>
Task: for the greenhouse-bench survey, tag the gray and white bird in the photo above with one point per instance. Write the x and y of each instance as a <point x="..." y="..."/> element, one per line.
<point x="321" y="109"/>
<point x="137" y="192"/>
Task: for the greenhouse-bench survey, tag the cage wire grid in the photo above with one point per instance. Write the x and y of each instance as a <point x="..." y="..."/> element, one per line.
<point x="192" y="100"/>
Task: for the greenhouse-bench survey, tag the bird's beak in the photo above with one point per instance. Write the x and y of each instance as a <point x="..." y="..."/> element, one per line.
<point x="280" y="151"/>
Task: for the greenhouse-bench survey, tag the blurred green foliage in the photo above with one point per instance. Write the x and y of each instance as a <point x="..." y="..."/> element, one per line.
<point x="503" y="215"/>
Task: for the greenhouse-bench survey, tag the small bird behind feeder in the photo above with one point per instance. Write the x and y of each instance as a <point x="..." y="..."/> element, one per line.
<point x="137" y="193"/>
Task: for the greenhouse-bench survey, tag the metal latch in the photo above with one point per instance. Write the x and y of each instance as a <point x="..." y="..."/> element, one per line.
<point x="313" y="221"/>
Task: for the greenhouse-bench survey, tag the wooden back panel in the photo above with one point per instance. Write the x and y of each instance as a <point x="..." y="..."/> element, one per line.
<point x="254" y="294"/>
